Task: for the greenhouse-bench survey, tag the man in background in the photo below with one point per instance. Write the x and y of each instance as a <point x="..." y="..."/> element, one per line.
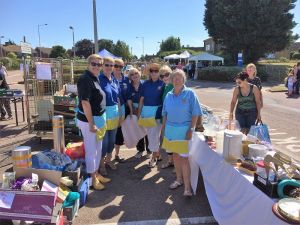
<point x="4" y="102"/>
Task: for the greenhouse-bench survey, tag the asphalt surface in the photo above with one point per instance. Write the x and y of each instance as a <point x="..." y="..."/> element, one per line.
<point x="138" y="193"/>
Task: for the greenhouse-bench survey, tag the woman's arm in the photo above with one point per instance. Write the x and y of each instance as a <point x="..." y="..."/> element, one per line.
<point x="257" y="96"/>
<point x="162" y="134"/>
<point x="141" y="103"/>
<point x="233" y="103"/>
<point x="129" y="103"/>
<point x="88" y="114"/>
<point x="189" y="133"/>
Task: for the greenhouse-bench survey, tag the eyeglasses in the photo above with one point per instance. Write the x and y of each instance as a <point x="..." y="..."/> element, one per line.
<point x="153" y="71"/>
<point x="108" y="65"/>
<point x="118" y="66"/>
<point x="96" y="64"/>
<point x="164" y="75"/>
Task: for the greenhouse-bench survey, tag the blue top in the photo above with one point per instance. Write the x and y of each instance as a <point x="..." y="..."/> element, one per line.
<point x="152" y="93"/>
<point x="111" y="89"/>
<point x="134" y="95"/>
<point x="181" y="108"/>
<point x="123" y="85"/>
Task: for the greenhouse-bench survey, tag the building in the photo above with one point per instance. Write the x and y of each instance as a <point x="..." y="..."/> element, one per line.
<point x="45" y="52"/>
<point x="287" y="52"/>
<point x="210" y="46"/>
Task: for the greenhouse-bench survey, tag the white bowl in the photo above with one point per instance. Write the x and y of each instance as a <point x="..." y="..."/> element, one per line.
<point x="256" y="150"/>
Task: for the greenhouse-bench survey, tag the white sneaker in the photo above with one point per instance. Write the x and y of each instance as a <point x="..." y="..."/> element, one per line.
<point x="138" y="155"/>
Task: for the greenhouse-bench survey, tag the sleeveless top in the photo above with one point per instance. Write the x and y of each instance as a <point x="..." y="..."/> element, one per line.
<point x="246" y="102"/>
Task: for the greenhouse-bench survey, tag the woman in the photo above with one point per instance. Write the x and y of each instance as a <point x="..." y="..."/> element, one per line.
<point x="253" y="79"/>
<point x="165" y="72"/>
<point x="123" y="86"/>
<point x="149" y="111"/>
<point x="110" y="86"/>
<point x="133" y="98"/>
<point x="181" y="110"/>
<point x="90" y="117"/>
<point x="246" y="98"/>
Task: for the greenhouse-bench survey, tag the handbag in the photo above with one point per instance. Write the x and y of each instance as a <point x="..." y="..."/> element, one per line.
<point x="261" y="131"/>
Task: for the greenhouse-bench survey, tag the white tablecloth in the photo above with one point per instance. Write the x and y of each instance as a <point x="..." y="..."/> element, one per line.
<point x="232" y="198"/>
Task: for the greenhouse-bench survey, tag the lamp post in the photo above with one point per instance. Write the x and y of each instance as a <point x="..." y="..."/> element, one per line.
<point x="40" y="25"/>
<point x="143" y="44"/>
<point x="95" y="27"/>
<point x="1" y="46"/>
<point x="72" y="28"/>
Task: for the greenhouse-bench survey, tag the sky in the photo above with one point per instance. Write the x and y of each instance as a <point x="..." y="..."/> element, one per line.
<point x="124" y="20"/>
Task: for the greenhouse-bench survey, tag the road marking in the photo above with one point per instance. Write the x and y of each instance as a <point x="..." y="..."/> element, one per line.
<point x="179" y="221"/>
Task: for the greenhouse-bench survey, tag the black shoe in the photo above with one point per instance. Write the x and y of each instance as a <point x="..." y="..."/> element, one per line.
<point x="9" y="118"/>
<point x="2" y="118"/>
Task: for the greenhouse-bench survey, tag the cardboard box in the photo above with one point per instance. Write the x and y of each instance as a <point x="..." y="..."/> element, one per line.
<point x="63" y="192"/>
<point x="49" y="187"/>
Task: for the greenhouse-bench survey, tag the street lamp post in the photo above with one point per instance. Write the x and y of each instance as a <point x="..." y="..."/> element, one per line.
<point x="72" y="28"/>
<point x="143" y="44"/>
<point x="40" y="25"/>
<point x="95" y="27"/>
<point x="1" y="46"/>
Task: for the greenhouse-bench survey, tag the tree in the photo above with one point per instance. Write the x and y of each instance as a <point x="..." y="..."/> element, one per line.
<point x="254" y="27"/>
<point x="106" y="44"/>
<point x="9" y="42"/>
<point x="84" y="48"/>
<point x="170" y="44"/>
<point x="122" y="49"/>
<point x="58" y="51"/>
<point x="12" y="55"/>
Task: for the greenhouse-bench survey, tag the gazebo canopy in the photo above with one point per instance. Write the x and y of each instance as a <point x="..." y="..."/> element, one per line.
<point x="206" y="57"/>
<point x="104" y="53"/>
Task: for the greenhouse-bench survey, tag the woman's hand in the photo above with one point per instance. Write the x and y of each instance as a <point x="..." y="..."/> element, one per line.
<point x="230" y="116"/>
<point x="189" y="135"/>
<point x="93" y="128"/>
<point x="258" y="118"/>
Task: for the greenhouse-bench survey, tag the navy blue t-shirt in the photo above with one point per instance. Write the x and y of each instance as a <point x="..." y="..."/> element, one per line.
<point x="123" y="86"/>
<point x="111" y="89"/>
<point x="134" y="95"/>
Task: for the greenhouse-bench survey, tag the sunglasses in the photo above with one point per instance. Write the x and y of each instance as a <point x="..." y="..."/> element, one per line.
<point x="153" y="71"/>
<point x="118" y="66"/>
<point x="96" y="64"/>
<point x="164" y="75"/>
<point x="108" y="65"/>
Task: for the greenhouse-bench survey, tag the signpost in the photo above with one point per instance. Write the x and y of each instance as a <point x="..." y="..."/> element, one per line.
<point x="240" y="59"/>
<point x="25" y="48"/>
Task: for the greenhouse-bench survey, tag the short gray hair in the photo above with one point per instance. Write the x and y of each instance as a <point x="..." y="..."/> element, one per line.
<point x="178" y="72"/>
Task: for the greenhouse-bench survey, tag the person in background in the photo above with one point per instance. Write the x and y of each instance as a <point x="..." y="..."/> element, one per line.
<point x="246" y="99"/>
<point x="181" y="110"/>
<point x="149" y="111"/>
<point x="110" y="86"/>
<point x="254" y="79"/>
<point x="90" y="118"/>
<point x="297" y="83"/>
<point x="164" y="74"/>
<point x="133" y="98"/>
<point x="123" y="87"/>
<point x="4" y="102"/>
<point x="179" y="66"/>
<point x="291" y="79"/>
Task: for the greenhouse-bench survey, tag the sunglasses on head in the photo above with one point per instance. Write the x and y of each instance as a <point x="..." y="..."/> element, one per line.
<point x="108" y="65"/>
<point x="118" y="66"/>
<point x="96" y="64"/>
<point x="164" y="75"/>
<point x="153" y="71"/>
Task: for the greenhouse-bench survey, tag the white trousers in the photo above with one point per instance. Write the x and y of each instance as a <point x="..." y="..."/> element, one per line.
<point x="93" y="148"/>
<point x="153" y="136"/>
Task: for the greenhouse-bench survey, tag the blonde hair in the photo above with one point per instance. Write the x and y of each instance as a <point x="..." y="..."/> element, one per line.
<point x="151" y="66"/>
<point x="252" y="65"/>
<point x="165" y="69"/>
<point x="178" y="72"/>
<point x="120" y="61"/>
<point x="133" y="70"/>
<point x="108" y="59"/>
<point x="93" y="57"/>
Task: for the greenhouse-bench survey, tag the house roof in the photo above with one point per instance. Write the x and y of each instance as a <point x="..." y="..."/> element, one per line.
<point x="12" y="48"/>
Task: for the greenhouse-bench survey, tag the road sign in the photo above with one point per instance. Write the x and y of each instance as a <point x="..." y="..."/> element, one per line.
<point x="25" y="48"/>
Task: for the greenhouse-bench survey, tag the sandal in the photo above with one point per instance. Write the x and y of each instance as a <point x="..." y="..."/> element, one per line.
<point x="167" y="165"/>
<point x="111" y="165"/>
<point x="175" y="185"/>
<point x="152" y="163"/>
<point x="119" y="160"/>
<point x="187" y="193"/>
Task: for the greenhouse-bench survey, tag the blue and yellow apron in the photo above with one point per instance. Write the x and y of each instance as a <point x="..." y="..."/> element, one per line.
<point x="147" y="118"/>
<point x="112" y="117"/>
<point x="100" y="122"/>
<point x="174" y="139"/>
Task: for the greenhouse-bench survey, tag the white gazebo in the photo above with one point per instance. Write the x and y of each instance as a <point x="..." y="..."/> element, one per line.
<point x="206" y="57"/>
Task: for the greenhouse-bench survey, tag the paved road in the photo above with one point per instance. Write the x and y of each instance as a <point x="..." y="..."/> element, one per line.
<point x="281" y="114"/>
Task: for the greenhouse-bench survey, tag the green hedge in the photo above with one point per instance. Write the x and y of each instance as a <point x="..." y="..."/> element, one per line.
<point x="219" y="73"/>
<point x="272" y="72"/>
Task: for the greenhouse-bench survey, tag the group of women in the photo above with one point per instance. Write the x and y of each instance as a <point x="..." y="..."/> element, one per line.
<point x="163" y="104"/>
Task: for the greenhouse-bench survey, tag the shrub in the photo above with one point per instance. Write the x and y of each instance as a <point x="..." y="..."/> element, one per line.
<point x="296" y="56"/>
<point x="11" y="55"/>
<point x="272" y="72"/>
<point x="219" y="73"/>
<point x="5" y="61"/>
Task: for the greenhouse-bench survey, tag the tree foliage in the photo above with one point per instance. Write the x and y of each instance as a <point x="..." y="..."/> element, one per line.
<point x="58" y="51"/>
<point x="84" y="48"/>
<point x="12" y="55"/>
<point x="106" y="44"/>
<point x="9" y="42"/>
<point x="170" y="44"/>
<point x="122" y="49"/>
<point x="254" y="27"/>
